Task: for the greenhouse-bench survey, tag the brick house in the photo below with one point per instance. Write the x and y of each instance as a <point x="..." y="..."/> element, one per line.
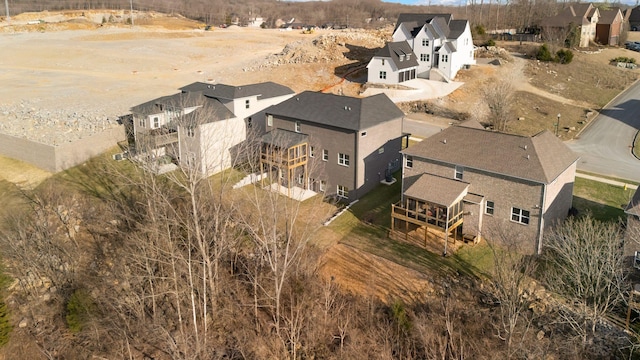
<point x="609" y="27"/>
<point x="466" y="181"/>
<point x="201" y="125"/>
<point x="340" y="145"/>
<point x="582" y="17"/>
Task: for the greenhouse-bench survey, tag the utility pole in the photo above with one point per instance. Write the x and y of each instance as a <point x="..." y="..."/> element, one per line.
<point x="6" y="7"/>
<point x="130" y="12"/>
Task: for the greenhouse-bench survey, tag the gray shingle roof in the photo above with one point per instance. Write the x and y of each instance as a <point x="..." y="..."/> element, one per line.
<point x="264" y="90"/>
<point x="343" y="112"/>
<point x="420" y="19"/>
<point x="457" y="27"/>
<point x="395" y="50"/>
<point x="540" y="158"/>
<point x="284" y="138"/>
<point x="180" y="100"/>
<point x="437" y="190"/>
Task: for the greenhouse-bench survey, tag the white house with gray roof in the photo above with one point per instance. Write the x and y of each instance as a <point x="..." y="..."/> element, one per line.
<point x="440" y="45"/>
<point x="203" y="124"/>
<point x="468" y="182"/>
<point x="338" y="145"/>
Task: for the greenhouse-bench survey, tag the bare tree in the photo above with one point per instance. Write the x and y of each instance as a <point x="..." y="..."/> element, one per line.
<point x="498" y="96"/>
<point x="511" y="273"/>
<point x="585" y="263"/>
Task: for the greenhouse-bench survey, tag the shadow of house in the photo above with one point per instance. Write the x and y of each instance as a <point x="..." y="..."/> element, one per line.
<point x="355" y="71"/>
<point x="621" y="113"/>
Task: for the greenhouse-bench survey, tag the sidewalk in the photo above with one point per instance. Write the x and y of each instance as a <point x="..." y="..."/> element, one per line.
<point x="606" y="181"/>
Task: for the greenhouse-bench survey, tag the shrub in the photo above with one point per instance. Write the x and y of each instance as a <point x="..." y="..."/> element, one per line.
<point x="624" y="59"/>
<point x="480" y="30"/>
<point x="543" y="53"/>
<point x="80" y="307"/>
<point x="490" y="42"/>
<point x="564" y="56"/>
<point x="5" y="325"/>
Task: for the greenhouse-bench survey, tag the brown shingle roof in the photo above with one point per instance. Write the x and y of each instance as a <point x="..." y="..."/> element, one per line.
<point x="437" y="190"/>
<point x="541" y="158"/>
<point x="578" y="14"/>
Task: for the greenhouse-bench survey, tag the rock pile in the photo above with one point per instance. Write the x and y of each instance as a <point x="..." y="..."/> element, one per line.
<point x="29" y="120"/>
<point x="324" y="48"/>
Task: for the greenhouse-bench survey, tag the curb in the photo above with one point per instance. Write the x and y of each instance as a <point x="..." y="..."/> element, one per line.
<point x="604" y="107"/>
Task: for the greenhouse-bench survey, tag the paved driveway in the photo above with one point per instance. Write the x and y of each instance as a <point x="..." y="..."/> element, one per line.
<point x="605" y="146"/>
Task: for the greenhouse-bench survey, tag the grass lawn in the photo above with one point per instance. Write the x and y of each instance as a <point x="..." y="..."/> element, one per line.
<point x="605" y="202"/>
<point x="367" y="223"/>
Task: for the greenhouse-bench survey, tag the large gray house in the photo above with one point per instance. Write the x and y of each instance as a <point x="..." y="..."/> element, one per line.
<point x="338" y="145"/>
<point x="468" y="182"/>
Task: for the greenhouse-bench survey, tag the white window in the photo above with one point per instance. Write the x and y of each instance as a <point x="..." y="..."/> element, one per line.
<point x="459" y="172"/>
<point x="445" y="58"/>
<point x="325" y="155"/>
<point x="191" y="131"/>
<point x="383" y="75"/>
<point x="382" y="61"/>
<point x="247" y="104"/>
<point x="343" y="159"/>
<point x="269" y="120"/>
<point x="312" y="151"/>
<point x="297" y="126"/>
<point x="520" y="216"/>
<point x="141" y="123"/>
<point x="343" y="191"/>
<point x="191" y="159"/>
<point x="156" y="122"/>
<point x="300" y="179"/>
<point x="425" y="42"/>
<point x="424" y="57"/>
<point x="408" y="161"/>
<point x="489" y="208"/>
<point x="323" y="185"/>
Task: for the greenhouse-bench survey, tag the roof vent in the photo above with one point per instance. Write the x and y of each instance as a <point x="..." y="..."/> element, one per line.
<point x="209" y="86"/>
<point x="349" y="108"/>
<point x="525" y="147"/>
<point x="345" y="107"/>
<point x="297" y="99"/>
<point x="527" y="156"/>
<point x="444" y="141"/>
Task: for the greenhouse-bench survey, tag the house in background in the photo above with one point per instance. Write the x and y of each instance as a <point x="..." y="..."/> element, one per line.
<point x="609" y="27"/>
<point x="339" y="145"/>
<point x="583" y="17"/>
<point x="467" y="182"/>
<point x="200" y="126"/>
<point x="440" y="45"/>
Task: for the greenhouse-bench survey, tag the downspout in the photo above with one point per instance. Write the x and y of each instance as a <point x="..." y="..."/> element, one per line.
<point x="357" y="162"/>
<point x="446" y="234"/>
<point x="541" y="223"/>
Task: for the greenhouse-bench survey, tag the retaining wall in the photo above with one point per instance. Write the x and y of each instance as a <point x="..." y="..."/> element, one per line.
<point x="61" y="157"/>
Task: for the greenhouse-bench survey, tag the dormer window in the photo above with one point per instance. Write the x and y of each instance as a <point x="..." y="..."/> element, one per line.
<point x="402" y="57"/>
<point x="408" y="56"/>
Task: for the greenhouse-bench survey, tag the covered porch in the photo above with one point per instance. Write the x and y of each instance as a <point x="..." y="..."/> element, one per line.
<point x="431" y="206"/>
<point x="284" y="159"/>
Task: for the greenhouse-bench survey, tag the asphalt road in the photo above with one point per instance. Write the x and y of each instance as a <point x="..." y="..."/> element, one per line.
<point x="420" y="127"/>
<point x="605" y="146"/>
